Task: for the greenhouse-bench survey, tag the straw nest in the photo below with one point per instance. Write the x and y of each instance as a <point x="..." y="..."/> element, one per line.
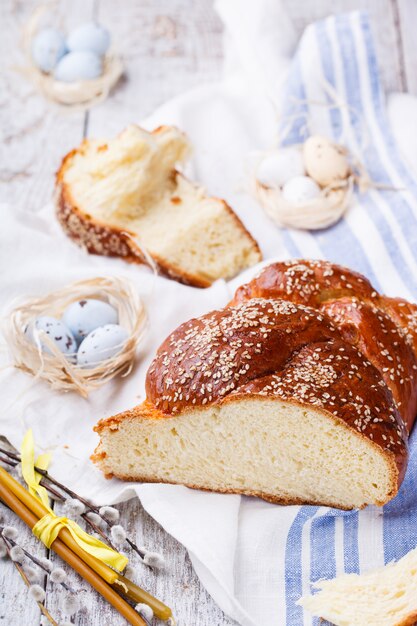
<point x="313" y="215"/>
<point x="56" y="368"/>
<point x="79" y="95"/>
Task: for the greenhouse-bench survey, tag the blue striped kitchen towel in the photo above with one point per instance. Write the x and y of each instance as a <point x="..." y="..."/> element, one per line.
<point x="334" y="89"/>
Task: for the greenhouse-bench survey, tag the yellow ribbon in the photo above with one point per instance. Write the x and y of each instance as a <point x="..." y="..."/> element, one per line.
<point x="48" y="527"/>
<point x="33" y="478"/>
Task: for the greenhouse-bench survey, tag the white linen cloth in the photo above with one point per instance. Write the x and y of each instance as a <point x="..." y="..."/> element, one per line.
<point x="254" y="558"/>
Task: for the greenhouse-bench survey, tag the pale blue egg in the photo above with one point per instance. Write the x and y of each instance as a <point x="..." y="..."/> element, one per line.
<point x="78" y="66"/>
<point x="56" y="330"/>
<point x="89" y="37"/>
<point x="84" y="316"/>
<point x="103" y="343"/>
<point x="48" y="47"/>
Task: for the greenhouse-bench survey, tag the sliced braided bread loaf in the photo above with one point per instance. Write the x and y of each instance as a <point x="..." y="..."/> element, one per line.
<point x="300" y="391"/>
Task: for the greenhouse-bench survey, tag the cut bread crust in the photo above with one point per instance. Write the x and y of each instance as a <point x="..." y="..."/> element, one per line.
<point x="204" y="239"/>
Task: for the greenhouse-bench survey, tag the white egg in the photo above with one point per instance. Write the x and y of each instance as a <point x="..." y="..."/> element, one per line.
<point x="301" y="189"/>
<point x="48" y="47"/>
<point x="325" y="161"/>
<point x="84" y="316"/>
<point x="279" y="166"/>
<point x="78" y="66"/>
<point x="56" y="330"/>
<point x="89" y="37"/>
<point x="101" y="344"/>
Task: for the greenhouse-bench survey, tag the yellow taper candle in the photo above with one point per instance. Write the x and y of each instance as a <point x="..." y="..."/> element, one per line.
<point x="135" y="593"/>
<point x="119" y="582"/>
<point x="39" y="510"/>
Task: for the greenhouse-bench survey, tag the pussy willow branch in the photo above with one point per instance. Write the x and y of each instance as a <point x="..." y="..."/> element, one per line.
<point x="21" y="571"/>
<point x="34" y="559"/>
<point x="8" y="461"/>
<point x="11" y="543"/>
<point x="11" y="456"/>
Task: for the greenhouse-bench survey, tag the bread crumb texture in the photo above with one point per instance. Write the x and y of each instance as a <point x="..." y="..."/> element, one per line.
<point x="130" y="187"/>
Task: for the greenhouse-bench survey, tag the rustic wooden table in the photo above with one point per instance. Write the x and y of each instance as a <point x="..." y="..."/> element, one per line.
<point x="168" y="46"/>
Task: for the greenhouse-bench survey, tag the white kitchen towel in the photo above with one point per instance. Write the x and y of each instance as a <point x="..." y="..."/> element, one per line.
<point x="255" y="559"/>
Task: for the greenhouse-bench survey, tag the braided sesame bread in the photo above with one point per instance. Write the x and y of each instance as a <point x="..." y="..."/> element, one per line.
<point x="302" y="390"/>
<point x="125" y="198"/>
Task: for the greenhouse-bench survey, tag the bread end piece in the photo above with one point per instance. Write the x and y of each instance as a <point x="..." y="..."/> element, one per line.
<point x="383" y="597"/>
<point x="125" y="198"/>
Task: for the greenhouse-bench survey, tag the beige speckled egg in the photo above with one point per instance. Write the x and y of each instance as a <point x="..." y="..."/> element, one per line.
<point x="325" y="161"/>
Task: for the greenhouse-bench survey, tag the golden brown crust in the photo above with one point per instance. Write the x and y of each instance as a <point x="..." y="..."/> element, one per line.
<point x="384" y="329"/>
<point x="306" y="281"/>
<point x="405" y="316"/>
<point x="104" y="239"/>
<point x="379" y="338"/>
<point x="207" y="358"/>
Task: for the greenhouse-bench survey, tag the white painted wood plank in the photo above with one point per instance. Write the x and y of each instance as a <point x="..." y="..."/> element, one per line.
<point x="168" y="47"/>
<point x="16" y="607"/>
<point x="35" y="134"/>
<point x="177" y="586"/>
<point x="382" y="15"/>
<point x="407" y="17"/>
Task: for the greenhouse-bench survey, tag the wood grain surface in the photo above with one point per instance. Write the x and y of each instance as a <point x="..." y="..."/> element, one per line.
<point x="168" y="46"/>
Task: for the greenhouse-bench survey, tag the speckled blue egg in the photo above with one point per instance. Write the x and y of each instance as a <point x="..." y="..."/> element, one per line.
<point x="78" y="66"/>
<point x="84" y="316"/>
<point x="48" y="47"/>
<point x="57" y="331"/>
<point x="103" y="343"/>
<point x="89" y="37"/>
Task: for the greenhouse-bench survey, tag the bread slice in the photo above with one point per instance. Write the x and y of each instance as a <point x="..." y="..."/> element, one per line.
<point x="383" y="597"/>
<point x="263" y="399"/>
<point x="126" y="198"/>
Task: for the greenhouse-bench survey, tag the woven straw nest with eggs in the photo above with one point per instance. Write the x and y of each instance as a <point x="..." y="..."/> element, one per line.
<point x="76" y="69"/>
<point x="79" y="337"/>
<point x="305" y="186"/>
